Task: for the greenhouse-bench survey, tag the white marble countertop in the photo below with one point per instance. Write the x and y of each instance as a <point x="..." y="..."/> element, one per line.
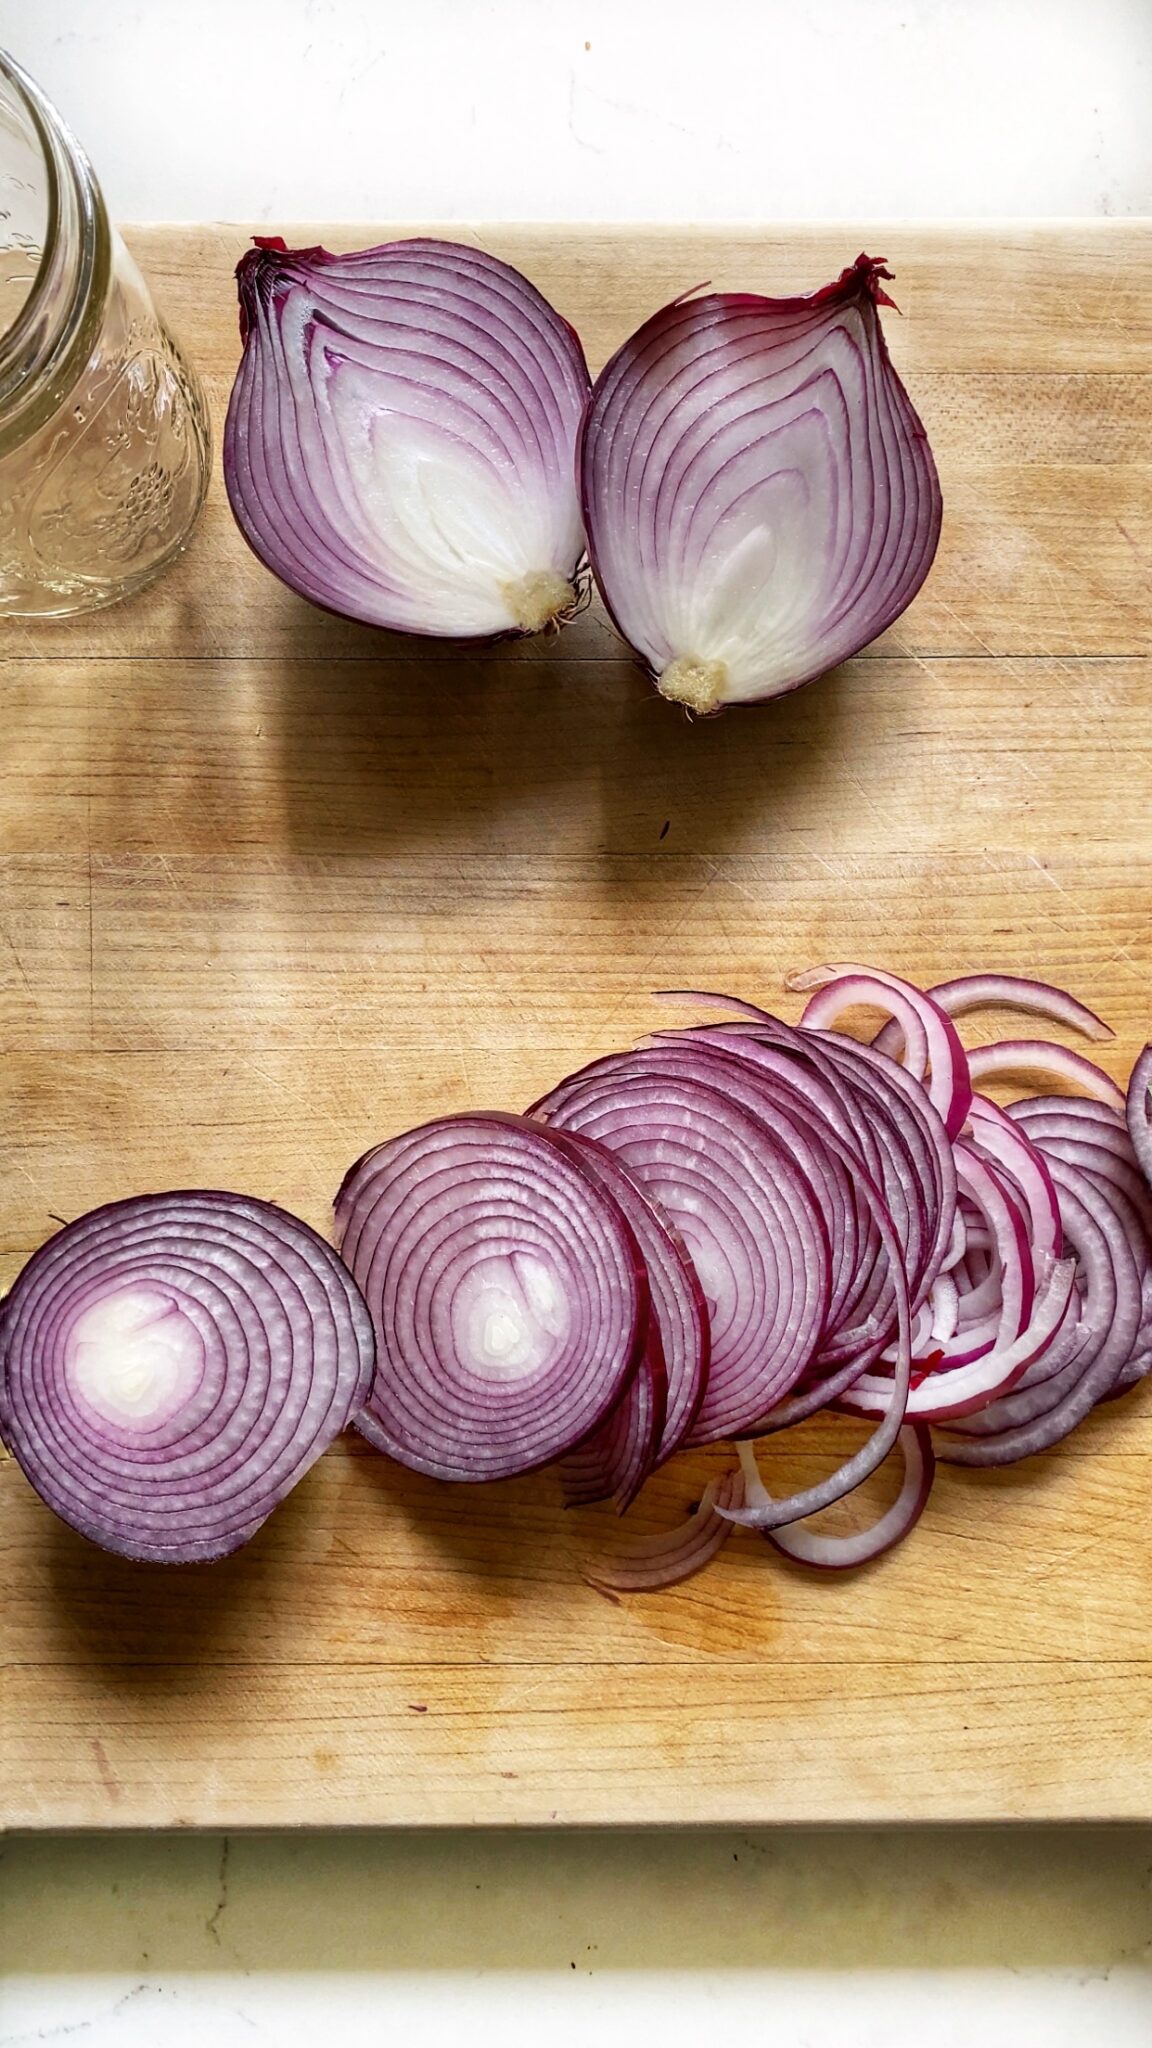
<point x="586" y="109"/>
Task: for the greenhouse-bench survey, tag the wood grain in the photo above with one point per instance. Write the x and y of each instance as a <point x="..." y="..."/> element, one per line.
<point x="274" y="885"/>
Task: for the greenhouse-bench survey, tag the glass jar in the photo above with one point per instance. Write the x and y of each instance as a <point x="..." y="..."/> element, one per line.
<point x="104" y="439"/>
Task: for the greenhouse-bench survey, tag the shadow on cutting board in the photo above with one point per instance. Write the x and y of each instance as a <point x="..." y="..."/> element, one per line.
<point x="552" y="747"/>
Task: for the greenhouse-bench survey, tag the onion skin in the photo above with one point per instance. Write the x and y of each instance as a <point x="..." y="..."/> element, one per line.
<point x="400" y="434"/>
<point x="172" y="1365"/>
<point x="759" y="496"/>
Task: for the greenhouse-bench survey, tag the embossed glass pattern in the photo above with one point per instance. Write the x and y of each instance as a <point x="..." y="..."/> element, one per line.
<point x="104" y="440"/>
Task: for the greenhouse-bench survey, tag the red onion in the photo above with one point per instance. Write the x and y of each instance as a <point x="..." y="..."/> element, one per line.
<point x="744" y="1209"/>
<point x="400" y="438"/>
<point x="170" y="1366"/>
<point x="618" y="1457"/>
<point x="656" y="1412"/>
<point x="930" y="1037"/>
<point x="1138" y="1109"/>
<point x="507" y="1290"/>
<point x="969" y="992"/>
<point x="1011" y="1058"/>
<point x="1102" y="1341"/>
<point x="636" y="1103"/>
<point x="807" y="1545"/>
<point x="868" y="1234"/>
<point x="759" y="496"/>
<point x="650" y="1563"/>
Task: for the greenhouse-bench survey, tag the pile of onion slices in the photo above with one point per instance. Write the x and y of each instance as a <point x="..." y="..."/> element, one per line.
<point x="741" y="1224"/>
<point x="735" y="1226"/>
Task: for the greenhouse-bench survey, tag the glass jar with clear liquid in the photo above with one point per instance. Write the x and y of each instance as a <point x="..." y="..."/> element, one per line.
<point x="104" y="438"/>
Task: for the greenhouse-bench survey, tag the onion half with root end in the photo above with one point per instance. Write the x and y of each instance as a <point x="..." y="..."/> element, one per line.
<point x="759" y="495"/>
<point x="171" y="1366"/>
<point x="400" y="437"/>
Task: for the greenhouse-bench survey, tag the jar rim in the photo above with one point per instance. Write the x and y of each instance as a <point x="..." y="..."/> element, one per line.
<point x="44" y="350"/>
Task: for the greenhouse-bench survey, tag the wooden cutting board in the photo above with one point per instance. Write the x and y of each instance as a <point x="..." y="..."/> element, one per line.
<point x="275" y="886"/>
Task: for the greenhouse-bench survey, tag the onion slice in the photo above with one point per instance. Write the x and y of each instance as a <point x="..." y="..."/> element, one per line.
<point x="930" y="1037"/>
<point x="507" y="1291"/>
<point x="618" y="1457"/>
<point x="649" y="1563"/>
<point x="1013" y="1058"/>
<point x="172" y="1365"/>
<point x="400" y="437"/>
<point x="1100" y="1343"/>
<point x="806" y="1545"/>
<point x="742" y="1204"/>
<point x="968" y="992"/>
<point x="759" y="496"/>
<point x="1138" y="1112"/>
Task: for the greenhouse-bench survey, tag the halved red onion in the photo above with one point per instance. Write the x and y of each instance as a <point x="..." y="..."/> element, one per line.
<point x="507" y="1291"/>
<point x="400" y="437"/>
<point x="759" y="496"/>
<point x="968" y="992"/>
<point x="171" y="1366"/>
<point x="650" y="1563"/>
<point x="837" y="1553"/>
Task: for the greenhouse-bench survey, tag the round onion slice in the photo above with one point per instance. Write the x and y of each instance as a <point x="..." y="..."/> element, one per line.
<point x="759" y="496"/>
<point x="507" y="1291"/>
<point x="170" y="1366"/>
<point x="895" y="1131"/>
<point x="400" y="437"/>
<point x="807" y="1545"/>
